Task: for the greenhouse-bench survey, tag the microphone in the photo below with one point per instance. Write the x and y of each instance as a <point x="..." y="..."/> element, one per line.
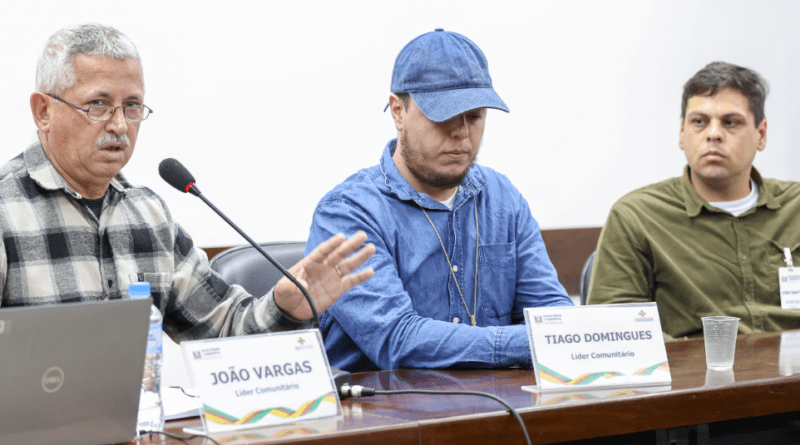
<point x="176" y="175"/>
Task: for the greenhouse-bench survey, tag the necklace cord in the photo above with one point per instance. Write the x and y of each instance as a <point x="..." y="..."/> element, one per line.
<point x="473" y="315"/>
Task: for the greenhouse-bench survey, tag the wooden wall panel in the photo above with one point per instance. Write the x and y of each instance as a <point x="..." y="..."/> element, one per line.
<point x="568" y="250"/>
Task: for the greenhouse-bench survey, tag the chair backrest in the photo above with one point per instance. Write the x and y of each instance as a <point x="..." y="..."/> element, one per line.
<point x="246" y="266"/>
<point x="586" y="277"/>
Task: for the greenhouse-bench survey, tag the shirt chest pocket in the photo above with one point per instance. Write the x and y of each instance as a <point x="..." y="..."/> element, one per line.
<point x="497" y="269"/>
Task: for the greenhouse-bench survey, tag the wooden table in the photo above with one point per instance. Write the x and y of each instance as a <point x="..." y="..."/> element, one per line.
<point x="765" y="384"/>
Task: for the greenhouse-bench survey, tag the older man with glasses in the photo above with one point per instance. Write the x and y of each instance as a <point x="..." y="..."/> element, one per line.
<point x="74" y="229"/>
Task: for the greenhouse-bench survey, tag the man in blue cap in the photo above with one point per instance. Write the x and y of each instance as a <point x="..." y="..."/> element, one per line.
<point x="458" y="254"/>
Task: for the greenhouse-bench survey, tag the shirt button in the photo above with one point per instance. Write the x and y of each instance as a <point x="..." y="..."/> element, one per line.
<point x="455" y="268"/>
<point x="455" y="320"/>
<point x="747" y="297"/>
<point x="744" y="257"/>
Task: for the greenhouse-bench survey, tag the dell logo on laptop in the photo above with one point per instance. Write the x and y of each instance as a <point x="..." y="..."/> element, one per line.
<point x="52" y="379"/>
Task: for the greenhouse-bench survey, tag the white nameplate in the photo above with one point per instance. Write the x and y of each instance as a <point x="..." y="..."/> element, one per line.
<point x="587" y="347"/>
<point x="254" y="381"/>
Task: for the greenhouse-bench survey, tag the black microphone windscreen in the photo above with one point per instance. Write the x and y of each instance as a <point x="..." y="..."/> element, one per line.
<point x="176" y="175"/>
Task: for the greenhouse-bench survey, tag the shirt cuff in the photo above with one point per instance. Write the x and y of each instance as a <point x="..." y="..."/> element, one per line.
<point x="511" y="347"/>
<point x="269" y="317"/>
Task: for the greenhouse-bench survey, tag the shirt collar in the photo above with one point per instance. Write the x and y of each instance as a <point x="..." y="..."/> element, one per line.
<point x="470" y="186"/>
<point x="695" y="203"/>
<point x="46" y="176"/>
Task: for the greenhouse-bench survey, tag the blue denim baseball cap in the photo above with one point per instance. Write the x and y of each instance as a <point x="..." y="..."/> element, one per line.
<point x="446" y="74"/>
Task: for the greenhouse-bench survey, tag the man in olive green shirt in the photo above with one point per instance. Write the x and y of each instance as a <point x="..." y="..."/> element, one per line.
<point x="711" y="241"/>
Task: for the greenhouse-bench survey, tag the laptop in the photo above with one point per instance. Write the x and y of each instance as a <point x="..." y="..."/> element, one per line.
<point x="71" y="373"/>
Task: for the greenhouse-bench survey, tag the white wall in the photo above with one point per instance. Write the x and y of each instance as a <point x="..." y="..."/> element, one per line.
<point x="260" y="98"/>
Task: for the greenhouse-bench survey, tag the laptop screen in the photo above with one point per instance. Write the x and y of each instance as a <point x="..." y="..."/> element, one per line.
<point x="71" y="373"/>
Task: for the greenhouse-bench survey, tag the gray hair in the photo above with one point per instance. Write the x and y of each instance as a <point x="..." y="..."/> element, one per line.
<point x="55" y="71"/>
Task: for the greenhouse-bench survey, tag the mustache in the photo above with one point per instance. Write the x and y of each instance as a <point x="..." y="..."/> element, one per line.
<point x="109" y="138"/>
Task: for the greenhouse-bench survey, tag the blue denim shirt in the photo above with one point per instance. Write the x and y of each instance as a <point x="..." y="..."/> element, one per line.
<point x="410" y="314"/>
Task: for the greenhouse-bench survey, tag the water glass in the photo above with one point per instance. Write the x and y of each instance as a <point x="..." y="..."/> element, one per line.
<point x="720" y="341"/>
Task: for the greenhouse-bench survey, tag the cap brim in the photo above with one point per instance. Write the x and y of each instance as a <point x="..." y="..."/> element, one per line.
<point x="440" y="106"/>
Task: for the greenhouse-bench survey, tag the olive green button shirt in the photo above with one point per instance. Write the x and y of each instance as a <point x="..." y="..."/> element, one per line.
<point x="665" y="243"/>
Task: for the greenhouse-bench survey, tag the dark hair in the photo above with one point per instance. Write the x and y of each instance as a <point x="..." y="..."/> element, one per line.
<point x="405" y="97"/>
<point x="716" y="75"/>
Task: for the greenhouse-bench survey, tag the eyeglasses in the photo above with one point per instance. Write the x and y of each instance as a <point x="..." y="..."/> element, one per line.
<point x="102" y="113"/>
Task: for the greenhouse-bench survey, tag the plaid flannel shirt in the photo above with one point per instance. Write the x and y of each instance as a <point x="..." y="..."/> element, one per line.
<point x="55" y="250"/>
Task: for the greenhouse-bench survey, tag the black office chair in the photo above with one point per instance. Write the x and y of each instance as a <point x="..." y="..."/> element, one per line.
<point x="246" y="266"/>
<point x="586" y="277"/>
